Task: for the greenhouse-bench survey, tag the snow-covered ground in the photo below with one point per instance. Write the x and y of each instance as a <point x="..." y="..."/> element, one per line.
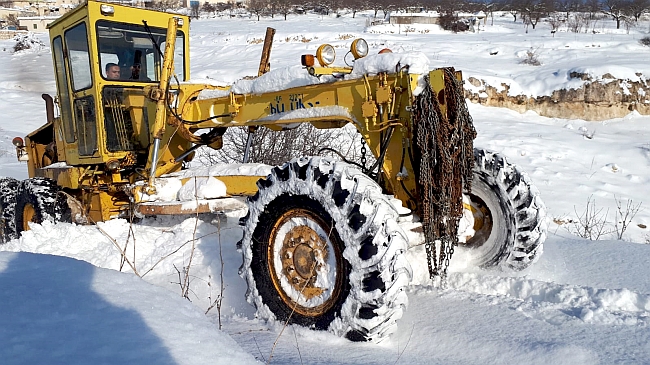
<point x="584" y="302"/>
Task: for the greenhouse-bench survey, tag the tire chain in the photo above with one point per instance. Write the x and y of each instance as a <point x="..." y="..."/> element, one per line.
<point x="445" y="168"/>
<point x="363" y="152"/>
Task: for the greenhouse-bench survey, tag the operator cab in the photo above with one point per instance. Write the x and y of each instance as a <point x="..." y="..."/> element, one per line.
<point x="103" y="118"/>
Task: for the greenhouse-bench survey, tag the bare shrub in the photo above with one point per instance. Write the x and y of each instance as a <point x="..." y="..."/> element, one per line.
<point x="577" y="22"/>
<point x="255" y="41"/>
<point x="624" y="216"/>
<point x="554" y="21"/>
<point x="591" y="224"/>
<point x="531" y="58"/>
<point x="275" y="147"/>
<point x="645" y="41"/>
<point x="408" y="30"/>
<point x="451" y="21"/>
<point x="27" y="41"/>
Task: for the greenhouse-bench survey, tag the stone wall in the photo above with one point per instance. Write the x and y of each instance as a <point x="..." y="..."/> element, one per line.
<point x="601" y="99"/>
<point x="9" y="34"/>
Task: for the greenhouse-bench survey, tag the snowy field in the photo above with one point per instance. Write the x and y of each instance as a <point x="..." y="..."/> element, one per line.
<point x="584" y="302"/>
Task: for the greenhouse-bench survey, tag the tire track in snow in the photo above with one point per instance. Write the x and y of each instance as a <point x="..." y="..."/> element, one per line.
<point x="557" y="303"/>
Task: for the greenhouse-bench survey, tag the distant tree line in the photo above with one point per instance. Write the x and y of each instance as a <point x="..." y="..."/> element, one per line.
<point x="528" y="12"/>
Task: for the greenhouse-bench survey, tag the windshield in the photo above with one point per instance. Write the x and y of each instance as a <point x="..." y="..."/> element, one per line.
<point x="128" y="52"/>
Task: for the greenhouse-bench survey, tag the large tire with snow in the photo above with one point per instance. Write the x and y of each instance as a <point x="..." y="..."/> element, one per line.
<point x="8" y="188"/>
<point x="38" y="200"/>
<point x="322" y="249"/>
<point x="508" y="216"/>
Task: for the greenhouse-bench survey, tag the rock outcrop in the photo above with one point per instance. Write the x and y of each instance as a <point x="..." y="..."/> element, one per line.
<point x="604" y="98"/>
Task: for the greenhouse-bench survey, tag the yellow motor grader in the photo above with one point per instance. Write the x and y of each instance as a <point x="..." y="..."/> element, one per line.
<point x="322" y="243"/>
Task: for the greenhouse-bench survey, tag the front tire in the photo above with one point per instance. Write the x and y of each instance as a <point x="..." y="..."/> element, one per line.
<point x="8" y="189"/>
<point x="37" y="201"/>
<point x="322" y="249"/>
<point x="507" y="215"/>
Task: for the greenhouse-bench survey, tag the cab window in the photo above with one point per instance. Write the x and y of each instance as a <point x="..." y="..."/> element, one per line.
<point x="76" y="42"/>
<point x="129" y="52"/>
<point x="62" y="87"/>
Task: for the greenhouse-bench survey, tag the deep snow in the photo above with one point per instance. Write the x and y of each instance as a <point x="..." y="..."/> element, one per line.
<point x="584" y="302"/>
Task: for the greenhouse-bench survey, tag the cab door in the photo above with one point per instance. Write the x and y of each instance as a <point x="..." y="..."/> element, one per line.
<point x="80" y="123"/>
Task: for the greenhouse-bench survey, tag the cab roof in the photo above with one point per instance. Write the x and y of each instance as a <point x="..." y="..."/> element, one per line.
<point x="128" y="14"/>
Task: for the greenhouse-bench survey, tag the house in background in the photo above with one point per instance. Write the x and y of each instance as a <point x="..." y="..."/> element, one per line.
<point x="36" y="23"/>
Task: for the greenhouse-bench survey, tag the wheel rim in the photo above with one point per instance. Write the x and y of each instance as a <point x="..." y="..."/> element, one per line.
<point x="305" y="263"/>
<point x="28" y="215"/>
<point x="478" y="218"/>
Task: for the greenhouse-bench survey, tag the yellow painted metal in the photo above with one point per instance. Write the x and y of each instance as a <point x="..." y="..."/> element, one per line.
<point x="68" y="177"/>
<point x="374" y="104"/>
<point x="236" y="185"/>
<point x="89" y="13"/>
<point x="356" y="101"/>
<point x="318" y="71"/>
<point x="85" y="177"/>
<point x="28" y="216"/>
<point x="483" y="221"/>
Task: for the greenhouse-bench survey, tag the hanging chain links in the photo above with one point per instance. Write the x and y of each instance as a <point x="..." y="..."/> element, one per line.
<point x="445" y="147"/>
<point x="363" y="152"/>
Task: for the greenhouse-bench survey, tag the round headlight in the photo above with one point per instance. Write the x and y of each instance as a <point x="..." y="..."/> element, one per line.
<point x="325" y="55"/>
<point x="112" y="165"/>
<point x="359" y="48"/>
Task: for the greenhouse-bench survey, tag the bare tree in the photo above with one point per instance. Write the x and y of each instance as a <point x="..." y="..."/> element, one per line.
<point x="375" y="6"/>
<point x="616" y="9"/>
<point x="355" y="6"/>
<point x="257" y="7"/>
<point x="568" y="6"/>
<point x="12" y="20"/>
<point x="208" y="8"/>
<point x="489" y="7"/>
<point x="593" y="7"/>
<point x="513" y="7"/>
<point x="386" y="6"/>
<point x="533" y="10"/>
<point x="330" y="5"/>
<point x="636" y="8"/>
<point x="282" y="7"/>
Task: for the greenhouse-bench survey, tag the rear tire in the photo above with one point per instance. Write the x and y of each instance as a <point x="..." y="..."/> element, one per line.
<point x="322" y="249"/>
<point x="8" y="189"/>
<point x="509" y="217"/>
<point x="38" y="200"/>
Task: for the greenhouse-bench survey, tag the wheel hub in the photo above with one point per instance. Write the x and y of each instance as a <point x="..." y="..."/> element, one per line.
<point x="305" y="265"/>
<point x="303" y="253"/>
<point x="482" y="221"/>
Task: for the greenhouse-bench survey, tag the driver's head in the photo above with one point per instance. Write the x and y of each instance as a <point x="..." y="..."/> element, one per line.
<point x="112" y="71"/>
